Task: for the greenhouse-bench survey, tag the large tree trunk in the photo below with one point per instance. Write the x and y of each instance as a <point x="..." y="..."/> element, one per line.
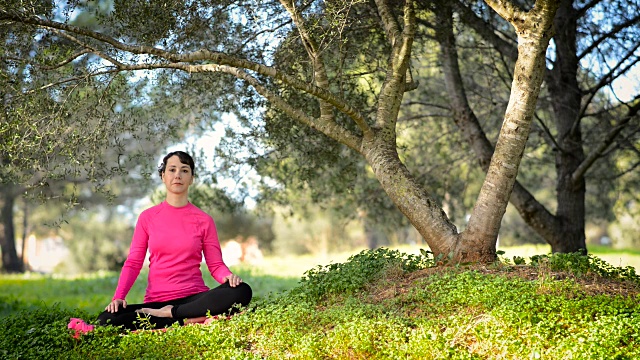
<point x="10" y="260"/>
<point x="469" y="126"/>
<point x="25" y="233"/>
<point x="562" y="235"/>
<point x="566" y="95"/>
<point x="411" y="198"/>
<point x="478" y="241"/>
<point x="534" y="31"/>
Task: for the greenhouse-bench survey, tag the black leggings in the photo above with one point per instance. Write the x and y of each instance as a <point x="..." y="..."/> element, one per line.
<point x="220" y="300"/>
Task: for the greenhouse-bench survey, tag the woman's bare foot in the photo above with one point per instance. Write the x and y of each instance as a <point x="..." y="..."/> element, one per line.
<point x="162" y="312"/>
<point x="197" y="320"/>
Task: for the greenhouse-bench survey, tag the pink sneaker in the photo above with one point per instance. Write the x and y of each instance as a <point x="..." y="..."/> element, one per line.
<point x="80" y="327"/>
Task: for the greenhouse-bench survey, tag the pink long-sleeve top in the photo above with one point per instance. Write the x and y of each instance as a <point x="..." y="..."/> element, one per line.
<point x="176" y="238"/>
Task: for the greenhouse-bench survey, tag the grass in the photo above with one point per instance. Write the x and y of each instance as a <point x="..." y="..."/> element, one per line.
<point x="92" y="292"/>
<point x="382" y="304"/>
<point x="616" y="257"/>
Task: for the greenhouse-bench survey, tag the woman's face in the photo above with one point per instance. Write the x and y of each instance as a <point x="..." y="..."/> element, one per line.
<point x="177" y="176"/>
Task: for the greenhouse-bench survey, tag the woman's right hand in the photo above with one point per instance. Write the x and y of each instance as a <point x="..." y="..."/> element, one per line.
<point x="115" y="304"/>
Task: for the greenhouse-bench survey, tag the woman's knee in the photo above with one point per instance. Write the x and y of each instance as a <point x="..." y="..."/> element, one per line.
<point x="244" y="293"/>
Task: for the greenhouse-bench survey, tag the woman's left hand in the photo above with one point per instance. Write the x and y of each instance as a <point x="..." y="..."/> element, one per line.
<point x="233" y="279"/>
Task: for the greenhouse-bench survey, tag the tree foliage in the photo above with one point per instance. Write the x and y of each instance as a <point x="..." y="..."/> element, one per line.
<point x="78" y="141"/>
<point x="577" y="145"/>
<point x="354" y="97"/>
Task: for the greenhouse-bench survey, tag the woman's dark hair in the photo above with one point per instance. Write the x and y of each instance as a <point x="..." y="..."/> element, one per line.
<point x="184" y="158"/>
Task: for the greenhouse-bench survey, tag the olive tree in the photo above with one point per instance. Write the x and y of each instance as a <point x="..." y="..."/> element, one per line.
<point x="229" y="38"/>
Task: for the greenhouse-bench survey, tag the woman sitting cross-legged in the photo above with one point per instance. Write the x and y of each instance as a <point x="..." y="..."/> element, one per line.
<point x="177" y="234"/>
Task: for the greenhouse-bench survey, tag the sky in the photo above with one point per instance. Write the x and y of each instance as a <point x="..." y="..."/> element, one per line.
<point x="207" y="141"/>
<point x="627" y="87"/>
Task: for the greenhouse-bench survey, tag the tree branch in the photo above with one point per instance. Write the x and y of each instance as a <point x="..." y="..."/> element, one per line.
<point x="394" y="84"/>
<point x="35" y="20"/>
<point x="609" y="77"/>
<point x="606" y="79"/>
<point x="92" y="49"/>
<point x="319" y="70"/>
<point x="508" y="11"/>
<point x="507" y="48"/>
<point x="200" y="55"/>
<point x="614" y="31"/>
<point x="71" y="79"/>
<point x="625" y="172"/>
<point x="547" y="132"/>
<point x="391" y="27"/>
<point x="67" y="60"/>
<point x="322" y="94"/>
<point x="583" y="10"/>
<point x="608" y="140"/>
<point x="328" y="128"/>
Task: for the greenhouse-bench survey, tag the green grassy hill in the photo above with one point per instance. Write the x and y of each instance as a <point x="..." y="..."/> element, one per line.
<point x="380" y="304"/>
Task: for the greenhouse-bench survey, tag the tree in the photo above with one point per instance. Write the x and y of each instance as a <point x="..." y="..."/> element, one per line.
<point x="177" y="44"/>
<point x="71" y="143"/>
<point x="475" y="60"/>
<point x="573" y="101"/>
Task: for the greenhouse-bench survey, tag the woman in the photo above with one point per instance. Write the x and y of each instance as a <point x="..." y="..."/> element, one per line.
<point x="176" y="233"/>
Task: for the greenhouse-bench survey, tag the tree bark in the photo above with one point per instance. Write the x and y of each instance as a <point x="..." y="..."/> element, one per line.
<point x="411" y="198"/>
<point x="566" y="95"/>
<point x="10" y="261"/>
<point x="532" y="212"/>
<point x="534" y="30"/>
<point x="25" y="233"/>
<point x="564" y="231"/>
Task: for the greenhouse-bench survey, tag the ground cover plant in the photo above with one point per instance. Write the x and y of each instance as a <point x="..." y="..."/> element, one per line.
<point x="92" y="292"/>
<point x="383" y="304"/>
